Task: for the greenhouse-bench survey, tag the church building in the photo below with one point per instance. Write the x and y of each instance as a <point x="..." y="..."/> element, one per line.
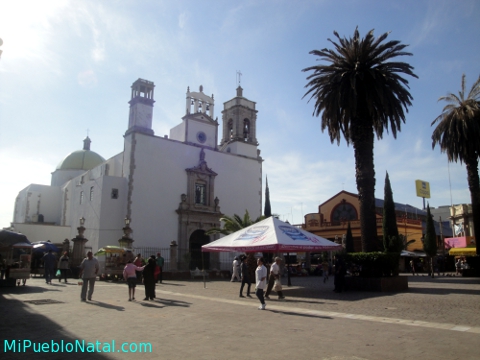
<point x="165" y="188"/>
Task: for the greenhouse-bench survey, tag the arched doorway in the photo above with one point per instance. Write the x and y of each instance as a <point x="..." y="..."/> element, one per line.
<point x="197" y="239"/>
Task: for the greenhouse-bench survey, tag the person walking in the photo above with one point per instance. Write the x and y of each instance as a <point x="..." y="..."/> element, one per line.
<point x="325" y="270"/>
<point x="149" y="278"/>
<point x="160" y="261"/>
<point x="49" y="262"/>
<point x="260" y="282"/>
<point x="274" y="277"/>
<point x="412" y="267"/>
<point x="138" y="262"/>
<point x="131" y="277"/>
<point x="63" y="266"/>
<point x="236" y="270"/>
<point x="88" y="272"/>
<point x="458" y="267"/>
<point x="244" y="276"/>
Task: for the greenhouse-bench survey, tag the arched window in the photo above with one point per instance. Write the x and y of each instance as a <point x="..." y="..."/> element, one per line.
<point x="81" y="197"/>
<point x="344" y="212"/>
<point x="246" y="129"/>
<point x="91" y="193"/>
<point x="230" y="129"/>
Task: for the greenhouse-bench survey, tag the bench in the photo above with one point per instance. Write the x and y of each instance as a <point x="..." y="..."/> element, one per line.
<point x="198" y="273"/>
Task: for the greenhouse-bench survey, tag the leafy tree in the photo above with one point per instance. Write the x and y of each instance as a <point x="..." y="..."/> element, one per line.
<point x="391" y="239"/>
<point x="360" y="93"/>
<point x="430" y="240"/>
<point x="349" y="240"/>
<point x="267" y="212"/>
<point x="235" y="223"/>
<point x="458" y="134"/>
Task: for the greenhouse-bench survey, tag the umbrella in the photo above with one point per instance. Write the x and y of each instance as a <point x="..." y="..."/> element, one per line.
<point x="22" y="245"/>
<point x="271" y="235"/>
<point x="9" y="238"/>
<point x="41" y="246"/>
<point x="111" y="249"/>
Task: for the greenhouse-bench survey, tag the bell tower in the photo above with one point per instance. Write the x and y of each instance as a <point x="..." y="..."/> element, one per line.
<point x="239" y="118"/>
<point x="141" y="107"/>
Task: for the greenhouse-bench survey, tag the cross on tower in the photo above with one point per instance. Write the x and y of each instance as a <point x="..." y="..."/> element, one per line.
<point x="239" y="77"/>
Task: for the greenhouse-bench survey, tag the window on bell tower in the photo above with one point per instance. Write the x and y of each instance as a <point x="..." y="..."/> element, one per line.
<point x="230" y="129"/>
<point x="246" y="129"/>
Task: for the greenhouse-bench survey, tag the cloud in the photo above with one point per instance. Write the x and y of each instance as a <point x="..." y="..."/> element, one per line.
<point x="87" y="78"/>
<point x="182" y="20"/>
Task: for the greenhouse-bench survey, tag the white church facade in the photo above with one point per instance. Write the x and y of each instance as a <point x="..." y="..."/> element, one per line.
<point x="171" y="188"/>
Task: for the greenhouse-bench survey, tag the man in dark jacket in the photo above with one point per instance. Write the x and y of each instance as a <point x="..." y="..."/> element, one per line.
<point x="49" y="261"/>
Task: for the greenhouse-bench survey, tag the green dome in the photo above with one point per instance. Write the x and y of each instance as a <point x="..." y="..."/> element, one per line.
<point x="81" y="160"/>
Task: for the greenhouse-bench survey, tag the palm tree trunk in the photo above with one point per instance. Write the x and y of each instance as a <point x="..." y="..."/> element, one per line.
<point x="363" y="141"/>
<point x="474" y="186"/>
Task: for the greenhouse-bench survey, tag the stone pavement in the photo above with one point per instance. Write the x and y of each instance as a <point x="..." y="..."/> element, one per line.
<point x="436" y="319"/>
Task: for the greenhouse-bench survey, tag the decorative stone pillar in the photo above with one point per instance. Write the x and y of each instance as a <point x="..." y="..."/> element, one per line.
<point x="79" y="245"/>
<point x="126" y="241"/>
<point x="173" y="264"/>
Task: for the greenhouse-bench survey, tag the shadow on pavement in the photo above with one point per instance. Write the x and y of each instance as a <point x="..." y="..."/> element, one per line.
<point x="150" y="304"/>
<point x="170" y="284"/>
<point x="167" y="302"/>
<point x="19" y="324"/>
<point x="105" y="305"/>
<point x="19" y="290"/>
<point x="444" y="279"/>
<point x="299" y="314"/>
<point x="442" y="291"/>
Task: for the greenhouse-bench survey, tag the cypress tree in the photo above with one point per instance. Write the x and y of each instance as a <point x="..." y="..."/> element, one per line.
<point x="349" y="240"/>
<point x="267" y="212"/>
<point x="430" y="240"/>
<point x="389" y="225"/>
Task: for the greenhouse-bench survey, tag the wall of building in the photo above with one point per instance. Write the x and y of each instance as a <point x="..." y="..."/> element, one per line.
<point x="43" y="232"/>
<point x="159" y="179"/>
<point x="321" y="223"/>
<point x="38" y="199"/>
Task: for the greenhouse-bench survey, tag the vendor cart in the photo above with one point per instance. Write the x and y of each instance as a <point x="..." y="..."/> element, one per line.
<point x="16" y="255"/>
<point x="112" y="261"/>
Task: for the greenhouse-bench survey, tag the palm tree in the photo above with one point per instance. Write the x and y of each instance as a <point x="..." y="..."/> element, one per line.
<point x="235" y="223"/>
<point x="360" y="93"/>
<point x="458" y="134"/>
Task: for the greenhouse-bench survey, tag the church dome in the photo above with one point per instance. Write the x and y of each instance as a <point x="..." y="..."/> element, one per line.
<point x="81" y="159"/>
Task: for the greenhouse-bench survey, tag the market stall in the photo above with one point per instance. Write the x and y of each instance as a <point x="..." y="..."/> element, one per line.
<point x="112" y="261"/>
<point x="15" y="252"/>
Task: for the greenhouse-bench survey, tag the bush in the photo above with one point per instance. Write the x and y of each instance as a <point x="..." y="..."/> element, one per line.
<point x="374" y="264"/>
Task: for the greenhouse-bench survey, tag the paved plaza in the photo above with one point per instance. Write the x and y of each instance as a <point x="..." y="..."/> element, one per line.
<point x="436" y="319"/>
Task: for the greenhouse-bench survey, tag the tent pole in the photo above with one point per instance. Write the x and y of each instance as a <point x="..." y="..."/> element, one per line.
<point x="288" y="270"/>
<point x="203" y="271"/>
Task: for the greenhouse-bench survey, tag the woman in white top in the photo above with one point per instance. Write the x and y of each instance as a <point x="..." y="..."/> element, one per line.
<point x="260" y="282"/>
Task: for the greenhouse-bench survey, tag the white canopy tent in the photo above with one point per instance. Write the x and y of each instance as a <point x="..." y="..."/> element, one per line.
<point x="271" y="235"/>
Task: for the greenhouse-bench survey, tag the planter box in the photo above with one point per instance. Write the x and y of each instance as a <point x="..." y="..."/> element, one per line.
<point x="382" y="284"/>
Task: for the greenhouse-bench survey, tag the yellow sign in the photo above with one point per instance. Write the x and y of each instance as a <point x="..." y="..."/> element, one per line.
<point x="423" y="188"/>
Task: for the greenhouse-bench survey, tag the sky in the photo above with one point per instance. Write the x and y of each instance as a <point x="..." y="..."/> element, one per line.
<point x="67" y="67"/>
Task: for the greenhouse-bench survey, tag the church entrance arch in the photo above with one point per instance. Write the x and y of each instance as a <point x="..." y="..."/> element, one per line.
<point x="197" y="239"/>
